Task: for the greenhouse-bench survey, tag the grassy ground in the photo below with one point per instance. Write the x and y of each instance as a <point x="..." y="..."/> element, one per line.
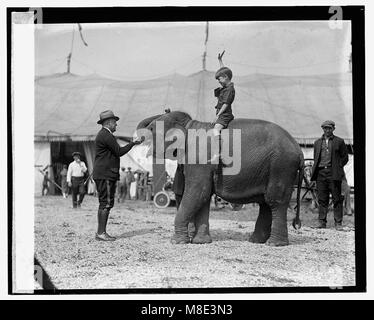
<point x="143" y="256"/>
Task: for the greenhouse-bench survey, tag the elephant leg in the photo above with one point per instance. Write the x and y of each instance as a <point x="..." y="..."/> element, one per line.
<point x="184" y="220"/>
<point x="263" y="225"/>
<point x="196" y="196"/>
<point x="279" y="231"/>
<point x="181" y="235"/>
<point x="278" y="198"/>
<point x="202" y="225"/>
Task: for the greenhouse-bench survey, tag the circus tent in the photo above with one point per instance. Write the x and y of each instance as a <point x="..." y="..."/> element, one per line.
<point x="67" y="108"/>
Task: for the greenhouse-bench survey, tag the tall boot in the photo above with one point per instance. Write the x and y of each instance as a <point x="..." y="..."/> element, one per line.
<point x="102" y="218"/>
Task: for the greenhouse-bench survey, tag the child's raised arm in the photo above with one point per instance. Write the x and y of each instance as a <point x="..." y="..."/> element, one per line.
<point x="220" y="55"/>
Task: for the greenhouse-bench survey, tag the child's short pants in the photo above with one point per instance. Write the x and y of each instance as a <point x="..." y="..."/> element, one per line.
<point x="224" y="119"/>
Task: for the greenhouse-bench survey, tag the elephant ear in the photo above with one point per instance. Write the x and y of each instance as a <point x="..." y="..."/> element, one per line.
<point x="174" y="123"/>
<point x="177" y="135"/>
<point x="142" y="131"/>
<point x="174" y="130"/>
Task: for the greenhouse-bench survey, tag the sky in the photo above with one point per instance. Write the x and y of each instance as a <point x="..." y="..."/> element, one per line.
<point x="135" y="51"/>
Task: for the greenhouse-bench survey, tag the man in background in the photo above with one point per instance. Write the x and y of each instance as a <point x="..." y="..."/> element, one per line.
<point x="129" y="178"/>
<point x="121" y="192"/>
<point x="75" y="179"/>
<point x="330" y="157"/>
<point x="45" y="184"/>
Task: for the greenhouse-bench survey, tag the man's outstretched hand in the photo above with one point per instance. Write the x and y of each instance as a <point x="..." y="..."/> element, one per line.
<point x="139" y="140"/>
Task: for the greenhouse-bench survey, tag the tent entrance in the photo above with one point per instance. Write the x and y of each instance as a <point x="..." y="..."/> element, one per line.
<point x="61" y="153"/>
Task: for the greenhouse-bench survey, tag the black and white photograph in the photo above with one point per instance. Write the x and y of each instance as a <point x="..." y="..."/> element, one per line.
<point x="189" y="152"/>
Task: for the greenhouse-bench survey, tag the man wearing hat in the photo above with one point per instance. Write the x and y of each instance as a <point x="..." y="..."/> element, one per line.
<point x="330" y="157"/>
<point x="106" y="169"/>
<point x="75" y="179"/>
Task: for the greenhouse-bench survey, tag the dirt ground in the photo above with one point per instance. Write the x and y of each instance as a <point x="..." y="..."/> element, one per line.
<point x="143" y="256"/>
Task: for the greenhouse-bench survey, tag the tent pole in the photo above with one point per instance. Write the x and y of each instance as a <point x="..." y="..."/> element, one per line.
<point x="71" y="52"/>
<point x="205" y="43"/>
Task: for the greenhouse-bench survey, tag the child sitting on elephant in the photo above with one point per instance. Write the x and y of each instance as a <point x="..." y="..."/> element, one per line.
<point x="225" y="95"/>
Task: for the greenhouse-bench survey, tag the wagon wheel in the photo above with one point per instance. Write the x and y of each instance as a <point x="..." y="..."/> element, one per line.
<point x="218" y="202"/>
<point x="309" y="185"/>
<point x="237" y="206"/>
<point x="161" y="200"/>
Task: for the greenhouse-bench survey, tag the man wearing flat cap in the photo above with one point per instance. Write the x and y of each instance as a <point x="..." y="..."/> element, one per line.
<point x="106" y="169"/>
<point x="330" y="157"/>
<point x="75" y="179"/>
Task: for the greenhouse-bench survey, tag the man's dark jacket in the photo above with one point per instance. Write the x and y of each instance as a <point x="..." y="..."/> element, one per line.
<point x="339" y="158"/>
<point x="108" y="152"/>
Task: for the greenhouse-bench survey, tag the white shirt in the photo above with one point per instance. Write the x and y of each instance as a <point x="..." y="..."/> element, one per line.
<point x="76" y="170"/>
<point x="108" y="130"/>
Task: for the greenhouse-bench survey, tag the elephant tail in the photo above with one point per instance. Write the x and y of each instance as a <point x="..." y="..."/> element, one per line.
<point x="296" y="223"/>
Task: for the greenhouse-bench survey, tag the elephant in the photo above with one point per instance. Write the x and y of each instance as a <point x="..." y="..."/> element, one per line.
<point x="270" y="162"/>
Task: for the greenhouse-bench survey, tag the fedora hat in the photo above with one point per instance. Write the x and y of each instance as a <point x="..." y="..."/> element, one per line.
<point x="107" y="114"/>
<point x="76" y="153"/>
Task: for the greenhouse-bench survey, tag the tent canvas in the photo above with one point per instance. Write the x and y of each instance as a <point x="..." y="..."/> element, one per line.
<point x="67" y="105"/>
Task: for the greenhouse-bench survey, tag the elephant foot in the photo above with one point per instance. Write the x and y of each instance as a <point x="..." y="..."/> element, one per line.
<point x="180" y="240"/>
<point x="202" y="235"/>
<point x="180" y="236"/>
<point x="201" y="239"/>
<point x="257" y="238"/>
<point x="272" y="242"/>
